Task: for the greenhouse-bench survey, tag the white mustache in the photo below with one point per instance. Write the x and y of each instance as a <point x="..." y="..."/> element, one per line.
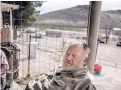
<point x="67" y="62"/>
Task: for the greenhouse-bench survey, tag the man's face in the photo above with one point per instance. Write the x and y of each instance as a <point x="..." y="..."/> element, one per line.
<point x="74" y="58"/>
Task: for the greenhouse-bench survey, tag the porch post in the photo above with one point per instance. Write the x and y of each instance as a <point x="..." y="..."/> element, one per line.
<point x="93" y="27"/>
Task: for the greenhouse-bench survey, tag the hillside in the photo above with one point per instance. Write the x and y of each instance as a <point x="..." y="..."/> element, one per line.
<point x="78" y="17"/>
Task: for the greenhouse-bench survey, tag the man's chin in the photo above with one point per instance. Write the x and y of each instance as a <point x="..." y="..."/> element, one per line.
<point x="67" y="67"/>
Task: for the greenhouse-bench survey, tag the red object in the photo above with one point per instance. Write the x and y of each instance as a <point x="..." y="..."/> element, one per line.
<point x="97" y="67"/>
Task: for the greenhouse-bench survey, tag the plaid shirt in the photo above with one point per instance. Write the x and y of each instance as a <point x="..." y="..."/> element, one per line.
<point x="4" y="65"/>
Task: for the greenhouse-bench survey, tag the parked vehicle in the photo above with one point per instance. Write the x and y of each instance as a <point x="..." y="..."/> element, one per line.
<point x="100" y="40"/>
<point x="53" y="33"/>
<point x="119" y="42"/>
<point x="37" y="36"/>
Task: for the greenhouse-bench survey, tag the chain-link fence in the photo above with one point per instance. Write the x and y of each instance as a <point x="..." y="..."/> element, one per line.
<point x="46" y="50"/>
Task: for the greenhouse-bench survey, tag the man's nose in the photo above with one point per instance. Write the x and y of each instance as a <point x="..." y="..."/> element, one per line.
<point x="69" y="57"/>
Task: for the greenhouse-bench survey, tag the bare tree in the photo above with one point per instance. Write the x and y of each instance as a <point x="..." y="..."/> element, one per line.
<point x="108" y="30"/>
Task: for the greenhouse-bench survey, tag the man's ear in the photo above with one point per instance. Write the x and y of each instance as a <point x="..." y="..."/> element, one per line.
<point x="85" y="62"/>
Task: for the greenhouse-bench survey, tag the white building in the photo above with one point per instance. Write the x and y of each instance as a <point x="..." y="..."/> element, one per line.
<point x="117" y="31"/>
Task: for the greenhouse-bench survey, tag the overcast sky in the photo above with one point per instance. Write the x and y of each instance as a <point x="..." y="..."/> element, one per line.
<point x="53" y="5"/>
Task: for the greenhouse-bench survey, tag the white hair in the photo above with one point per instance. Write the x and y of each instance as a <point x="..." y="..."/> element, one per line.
<point x="84" y="45"/>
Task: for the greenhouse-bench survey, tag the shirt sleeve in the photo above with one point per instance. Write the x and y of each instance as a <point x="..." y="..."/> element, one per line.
<point x="4" y="62"/>
<point x="89" y="86"/>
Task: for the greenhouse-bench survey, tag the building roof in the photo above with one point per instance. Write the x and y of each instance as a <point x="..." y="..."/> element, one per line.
<point x="116" y="28"/>
<point x="7" y="7"/>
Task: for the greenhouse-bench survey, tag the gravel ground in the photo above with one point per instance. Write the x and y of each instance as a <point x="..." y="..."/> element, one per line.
<point x="109" y="79"/>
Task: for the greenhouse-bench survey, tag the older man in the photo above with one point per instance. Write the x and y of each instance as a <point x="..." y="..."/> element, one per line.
<point x="74" y="74"/>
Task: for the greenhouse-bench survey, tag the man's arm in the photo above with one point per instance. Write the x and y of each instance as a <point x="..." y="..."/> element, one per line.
<point x="39" y="84"/>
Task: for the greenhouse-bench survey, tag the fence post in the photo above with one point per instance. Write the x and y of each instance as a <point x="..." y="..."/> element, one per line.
<point x="29" y="56"/>
<point x="116" y="65"/>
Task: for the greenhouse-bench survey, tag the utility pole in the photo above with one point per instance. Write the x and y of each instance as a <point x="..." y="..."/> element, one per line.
<point x="93" y="27"/>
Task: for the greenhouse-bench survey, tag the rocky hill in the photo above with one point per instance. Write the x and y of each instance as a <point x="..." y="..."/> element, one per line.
<point x="78" y="17"/>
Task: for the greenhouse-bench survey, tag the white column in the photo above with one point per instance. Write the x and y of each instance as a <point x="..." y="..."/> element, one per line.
<point x="1" y="21"/>
<point x="11" y="25"/>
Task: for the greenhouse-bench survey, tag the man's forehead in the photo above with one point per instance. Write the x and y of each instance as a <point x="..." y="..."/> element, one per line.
<point x="76" y="47"/>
